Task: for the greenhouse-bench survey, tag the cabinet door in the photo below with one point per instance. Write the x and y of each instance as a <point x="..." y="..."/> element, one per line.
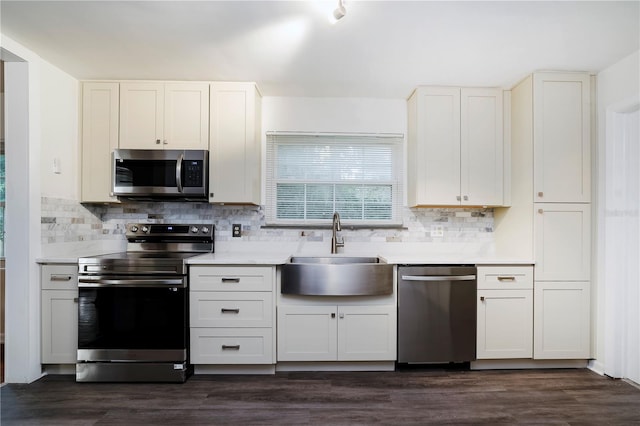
<point x="186" y="116"/>
<point x="561" y="135"/>
<point x="435" y="151"/>
<point x="505" y="324"/>
<point x="231" y="278"/>
<point x="307" y="333"/>
<point x="367" y="333"/>
<point x="481" y="147"/>
<point x="59" y="326"/>
<point x="231" y="346"/>
<point x="100" y="106"/>
<point x="562" y="242"/>
<point x="562" y="320"/>
<point x="141" y="115"/>
<point x="230" y="309"/>
<point x="235" y="147"/>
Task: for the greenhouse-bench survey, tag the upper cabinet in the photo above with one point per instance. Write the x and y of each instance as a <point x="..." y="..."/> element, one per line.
<point x="99" y="139"/>
<point x="156" y="115"/>
<point x="561" y="133"/>
<point x="455" y="147"/>
<point x="235" y="144"/>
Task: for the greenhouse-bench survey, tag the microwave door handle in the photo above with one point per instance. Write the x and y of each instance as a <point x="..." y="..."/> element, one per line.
<point x="179" y="172"/>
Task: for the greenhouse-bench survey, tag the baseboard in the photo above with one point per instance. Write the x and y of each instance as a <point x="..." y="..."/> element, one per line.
<point x="336" y="366"/>
<point x="58" y="369"/>
<point x="234" y="369"/>
<point x="596" y="366"/>
<point x="515" y="364"/>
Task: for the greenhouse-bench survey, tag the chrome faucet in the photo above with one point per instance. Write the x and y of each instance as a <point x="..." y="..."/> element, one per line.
<point x="334" y="238"/>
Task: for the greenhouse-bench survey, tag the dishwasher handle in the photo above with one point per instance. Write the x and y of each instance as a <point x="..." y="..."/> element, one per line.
<point x="438" y="277"/>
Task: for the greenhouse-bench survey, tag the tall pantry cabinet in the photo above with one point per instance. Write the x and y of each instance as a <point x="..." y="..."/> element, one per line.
<point x="551" y="129"/>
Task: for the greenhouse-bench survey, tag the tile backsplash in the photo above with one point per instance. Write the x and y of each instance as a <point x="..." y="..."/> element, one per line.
<point x="68" y="221"/>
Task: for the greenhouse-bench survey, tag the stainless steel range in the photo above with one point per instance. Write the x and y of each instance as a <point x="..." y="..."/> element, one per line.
<point x="133" y="306"/>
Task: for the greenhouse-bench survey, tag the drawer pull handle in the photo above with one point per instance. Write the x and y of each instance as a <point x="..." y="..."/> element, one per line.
<point x="506" y="278"/>
<point x="230" y="310"/>
<point x="231" y="347"/>
<point x="231" y="280"/>
<point x="61" y="277"/>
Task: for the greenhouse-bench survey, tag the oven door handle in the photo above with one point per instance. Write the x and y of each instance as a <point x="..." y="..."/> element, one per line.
<point x="151" y="282"/>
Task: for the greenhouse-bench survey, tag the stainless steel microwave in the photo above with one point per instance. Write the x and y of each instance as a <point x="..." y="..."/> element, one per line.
<point x="156" y="174"/>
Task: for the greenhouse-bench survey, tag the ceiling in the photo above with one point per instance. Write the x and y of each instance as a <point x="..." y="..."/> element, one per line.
<point x="379" y="49"/>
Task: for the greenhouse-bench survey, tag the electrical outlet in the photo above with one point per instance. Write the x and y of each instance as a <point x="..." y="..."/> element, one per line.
<point x="437" y="231"/>
<point x="236" y="230"/>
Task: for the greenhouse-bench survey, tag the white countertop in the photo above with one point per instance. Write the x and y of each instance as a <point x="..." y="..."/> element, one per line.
<point x="257" y="258"/>
<point x="236" y="258"/>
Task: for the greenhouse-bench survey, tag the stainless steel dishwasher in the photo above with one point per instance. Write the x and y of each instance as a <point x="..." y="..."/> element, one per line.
<point x="436" y="314"/>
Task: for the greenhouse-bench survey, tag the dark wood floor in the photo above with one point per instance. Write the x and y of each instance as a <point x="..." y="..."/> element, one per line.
<point x="562" y="397"/>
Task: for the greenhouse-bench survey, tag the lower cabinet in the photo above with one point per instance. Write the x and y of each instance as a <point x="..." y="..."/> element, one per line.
<point x="59" y="316"/>
<point x="505" y="312"/>
<point x="562" y="327"/>
<point x="232" y="313"/>
<point x="336" y="333"/>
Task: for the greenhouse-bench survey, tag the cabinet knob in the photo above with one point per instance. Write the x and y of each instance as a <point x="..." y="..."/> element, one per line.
<point x="540" y="194"/>
<point x="341" y="316"/>
<point x="164" y="142"/>
<point x="157" y="141"/>
<point x="466" y="198"/>
<point x="333" y="315"/>
<point x="540" y="211"/>
<point x="482" y="298"/>
<point x="458" y="197"/>
<point x="75" y="300"/>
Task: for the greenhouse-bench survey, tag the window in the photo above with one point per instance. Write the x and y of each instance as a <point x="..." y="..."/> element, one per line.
<point x="310" y="176"/>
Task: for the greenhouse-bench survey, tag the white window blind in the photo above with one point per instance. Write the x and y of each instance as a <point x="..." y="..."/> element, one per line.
<point x="310" y="176"/>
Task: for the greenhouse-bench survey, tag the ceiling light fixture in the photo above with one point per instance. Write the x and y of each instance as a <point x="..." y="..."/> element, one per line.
<point x="338" y="13"/>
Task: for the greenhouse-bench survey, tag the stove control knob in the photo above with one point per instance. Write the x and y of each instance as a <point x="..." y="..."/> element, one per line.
<point x="133" y="228"/>
<point x="194" y="229"/>
<point x="145" y="229"/>
<point x="205" y="229"/>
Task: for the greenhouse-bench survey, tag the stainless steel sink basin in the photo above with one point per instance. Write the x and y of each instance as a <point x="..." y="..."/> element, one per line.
<point x="336" y="276"/>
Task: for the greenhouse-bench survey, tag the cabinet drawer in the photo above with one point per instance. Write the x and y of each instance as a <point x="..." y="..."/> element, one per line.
<point x="231" y="309"/>
<point x="232" y="346"/>
<point x="59" y="277"/>
<point x="505" y="277"/>
<point x="230" y="278"/>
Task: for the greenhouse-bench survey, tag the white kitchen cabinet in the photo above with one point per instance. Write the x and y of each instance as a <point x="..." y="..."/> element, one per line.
<point x="455" y="147"/>
<point x="100" y="106"/>
<point x="562" y="140"/>
<point x="505" y="312"/>
<point x="307" y="333"/>
<point x="232" y="314"/>
<point x="336" y="333"/>
<point x="158" y="115"/>
<point x="562" y="241"/>
<point x="562" y="326"/>
<point x="367" y="333"/>
<point x="59" y="316"/>
<point x="235" y="143"/>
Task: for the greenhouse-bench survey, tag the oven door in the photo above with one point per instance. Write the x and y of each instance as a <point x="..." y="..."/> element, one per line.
<point x="132" y="319"/>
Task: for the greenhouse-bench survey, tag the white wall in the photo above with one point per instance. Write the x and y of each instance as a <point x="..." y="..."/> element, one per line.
<point x="39" y="110"/>
<point x="364" y="115"/>
<point x="59" y="109"/>
<point x="618" y="89"/>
